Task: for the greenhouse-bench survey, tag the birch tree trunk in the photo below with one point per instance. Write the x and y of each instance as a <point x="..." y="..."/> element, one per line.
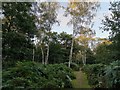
<point x="49" y="25"/>
<point x="85" y="59"/>
<point x="42" y="55"/>
<point x="71" y="50"/>
<point x="47" y="55"/>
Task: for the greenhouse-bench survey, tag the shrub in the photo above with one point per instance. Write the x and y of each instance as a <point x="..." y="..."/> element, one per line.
<point x="73" y="66"/>
<point x="104" y="76"/>
<point x="112" y="75"/>
<point x="94" y="71"/>
<point x="35" y="75"/>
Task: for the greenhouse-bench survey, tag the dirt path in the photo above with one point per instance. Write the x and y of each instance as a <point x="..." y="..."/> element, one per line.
<point x="80" y="81"/>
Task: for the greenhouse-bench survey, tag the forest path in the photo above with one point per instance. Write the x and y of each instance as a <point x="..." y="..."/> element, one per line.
<point x="80" y="81"/>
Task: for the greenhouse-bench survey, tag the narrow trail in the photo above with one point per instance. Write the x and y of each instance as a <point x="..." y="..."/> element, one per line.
<point x="80" y="81"/>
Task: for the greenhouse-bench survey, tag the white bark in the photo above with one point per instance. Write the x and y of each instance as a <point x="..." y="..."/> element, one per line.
<point x="47" y="55"/>
<point x="42" y="55"/>
<point x="71" y="52"/>
<point x="83" y="56"/>
<point x="85" y="59"/>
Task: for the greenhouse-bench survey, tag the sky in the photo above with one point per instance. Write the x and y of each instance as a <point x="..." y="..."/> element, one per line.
<point x="102" y="10"/>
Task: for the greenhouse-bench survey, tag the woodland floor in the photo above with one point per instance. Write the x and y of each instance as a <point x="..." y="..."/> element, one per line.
<point x="80" y="81"/>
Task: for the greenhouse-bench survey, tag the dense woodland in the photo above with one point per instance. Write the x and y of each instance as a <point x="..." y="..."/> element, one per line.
<point x="33" y="56"/>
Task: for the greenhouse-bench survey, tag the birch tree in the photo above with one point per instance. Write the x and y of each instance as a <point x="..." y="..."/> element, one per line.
<point x="85" y="39"/>
<point x="46" y="19"/>
<point x="82" y="14"/>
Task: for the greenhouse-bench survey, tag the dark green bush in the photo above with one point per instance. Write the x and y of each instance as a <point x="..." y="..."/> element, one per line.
<point x="73" y="66"/>
<point x="35" y="75"/>
<point x="112" y="75"/>
<point x="93" y="72"/>
<point x="104" y="76"/>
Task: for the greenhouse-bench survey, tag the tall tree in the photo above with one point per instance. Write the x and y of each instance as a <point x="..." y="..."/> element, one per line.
<point x="46" y="19"/>
<point x="65" y="40"/>
<point x="85" y="39"/>
<point x="17" y="29"/>
<point x="112" y="24"/>
<point x="82" y="13"/>
<point x="102" y="52"/>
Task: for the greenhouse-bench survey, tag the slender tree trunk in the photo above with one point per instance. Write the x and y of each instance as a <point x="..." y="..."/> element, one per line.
<point x="85" y="59"/>
<point x="80" y="56"/>
<point x="42" y="55"/>
<point x="47" y="55"/>
<point x="71" y="50"/>
<point x="33" y="54"/>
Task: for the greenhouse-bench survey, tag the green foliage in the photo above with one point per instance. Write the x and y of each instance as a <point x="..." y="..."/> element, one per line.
<point x="35" y="75"/>
<point x="103" y="54"/>
<point x="56" y="53"/>
<point x="93" y="72"/>
<point x="18" y="28"/>
<point x="59" y="47"/>
<point x="112" y="24"/>
<point x="48" y="15"/>
<point x="108" y="54"/>
<point x="104" y="76"/>
<point x="73" y="66"/>
<point x="112" y="75"/>
<point x="90" y="59"/>
<point x="108" y="76"/>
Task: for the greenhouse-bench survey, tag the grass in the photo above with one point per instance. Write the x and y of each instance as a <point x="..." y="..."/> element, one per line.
<point x="80" y="81"/>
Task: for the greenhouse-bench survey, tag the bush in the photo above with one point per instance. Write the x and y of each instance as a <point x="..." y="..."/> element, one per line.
<point x="73" y="66"/>
<point x="35" y="75"/>
<point x="103" y="76"/>
<point x="112" y="75"/>
<point x="94" y="71"/>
